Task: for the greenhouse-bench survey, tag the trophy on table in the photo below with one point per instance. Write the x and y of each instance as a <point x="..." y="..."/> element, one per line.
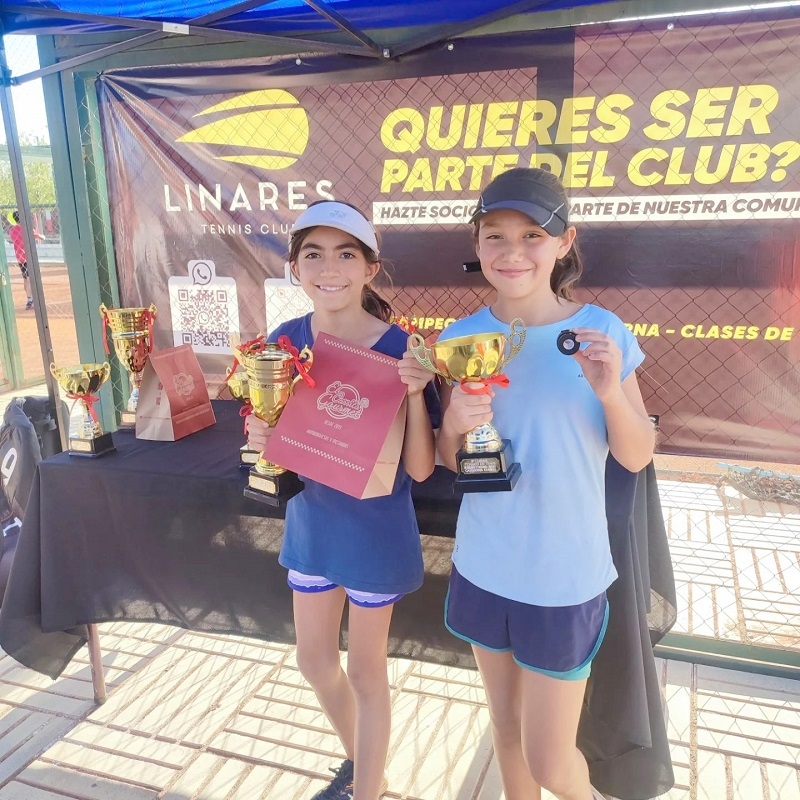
<point x="239" y="388"/>
<point x="270" y="369"/>
<point x="486" y="461"/>
<point x="132" y="335"/>
<point x="81" y="383"/>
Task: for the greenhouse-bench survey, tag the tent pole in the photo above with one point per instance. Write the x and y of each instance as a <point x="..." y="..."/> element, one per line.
<point x="26" y="220"/>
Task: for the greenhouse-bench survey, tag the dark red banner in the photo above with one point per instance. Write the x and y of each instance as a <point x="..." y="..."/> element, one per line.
<point x="678" y="145"/>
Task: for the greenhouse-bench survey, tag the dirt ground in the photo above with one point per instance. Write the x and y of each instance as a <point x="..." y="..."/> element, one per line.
<point x="60" y="319"/>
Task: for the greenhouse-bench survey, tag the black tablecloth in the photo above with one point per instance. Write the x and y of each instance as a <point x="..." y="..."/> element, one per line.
<point x="160" y="531"/>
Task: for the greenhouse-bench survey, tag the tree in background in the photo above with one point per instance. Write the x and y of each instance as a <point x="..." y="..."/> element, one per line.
<point x="38" y="176"/>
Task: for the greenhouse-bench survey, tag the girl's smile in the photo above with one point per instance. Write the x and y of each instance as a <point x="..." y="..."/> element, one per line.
<point x="331" y="264"/>
<point x="517" y="256"/>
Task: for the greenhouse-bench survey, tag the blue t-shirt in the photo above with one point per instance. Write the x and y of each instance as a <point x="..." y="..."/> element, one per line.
<point x="369" y="545"/>
<point x="545" y="542"/>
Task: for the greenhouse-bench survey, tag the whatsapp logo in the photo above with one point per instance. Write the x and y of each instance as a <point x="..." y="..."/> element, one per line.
<point x="266" y="128"/>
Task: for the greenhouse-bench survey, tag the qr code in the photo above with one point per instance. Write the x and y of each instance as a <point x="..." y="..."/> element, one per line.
<point x="283" y="302"/>
<point x="204" y="316"/>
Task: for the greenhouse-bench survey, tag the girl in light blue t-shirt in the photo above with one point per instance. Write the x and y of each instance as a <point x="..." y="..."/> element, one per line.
<point x="531" y="566"/>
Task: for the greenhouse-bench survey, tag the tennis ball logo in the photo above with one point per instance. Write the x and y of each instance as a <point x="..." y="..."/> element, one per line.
<point x="267" y="128"/>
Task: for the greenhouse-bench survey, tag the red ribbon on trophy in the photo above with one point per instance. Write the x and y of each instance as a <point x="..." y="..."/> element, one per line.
<point x="89" y="399"/>
<point x="482" y="386"/>
<point x="285" y="343"/>
<point x="252" y="346"/>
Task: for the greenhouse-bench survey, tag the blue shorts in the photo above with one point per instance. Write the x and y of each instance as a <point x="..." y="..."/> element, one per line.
<point x="310" y="584"/>
<point x="558" y="641"/>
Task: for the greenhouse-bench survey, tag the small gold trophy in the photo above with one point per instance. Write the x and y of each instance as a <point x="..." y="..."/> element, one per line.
<point x="485" y="462"/>
<point x="270" y="369"/>
<point x="240" y="389"/>
<point x="81" y="383"/>
<point x="132" y="335"/>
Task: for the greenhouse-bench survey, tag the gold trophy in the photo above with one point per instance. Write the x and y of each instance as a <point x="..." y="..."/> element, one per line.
<point x="81" y="383"/>
<point x="270" y="369"/>
<point x="132" y="335"/>
<point x="486" y="461"/>
<point x="240" y="389"/>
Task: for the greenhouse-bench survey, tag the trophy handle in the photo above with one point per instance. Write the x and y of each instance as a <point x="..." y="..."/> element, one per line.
<point x="416" y="344"/>
<point x="516" y="339"/>
<point x="306" y="355"/>
<point x="53" y="370"/>
<point x="153" y="311"/>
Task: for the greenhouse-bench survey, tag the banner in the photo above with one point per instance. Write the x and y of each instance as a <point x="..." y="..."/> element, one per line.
<point x="679" y="145"/>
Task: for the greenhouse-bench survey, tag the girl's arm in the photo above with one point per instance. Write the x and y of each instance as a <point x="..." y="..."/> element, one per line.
<point x="462" y="412"/>
<point x="631" y="437"/>
<point x="418" y="444"/>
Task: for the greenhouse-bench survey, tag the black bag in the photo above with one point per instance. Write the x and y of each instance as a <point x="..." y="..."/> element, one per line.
<point x="41" y="412"/>
<point x="28" y="434"/>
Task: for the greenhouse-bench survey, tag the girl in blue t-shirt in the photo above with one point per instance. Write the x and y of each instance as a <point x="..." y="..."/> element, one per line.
<point x="339" y="548"/>
<point x="531" y="566"/>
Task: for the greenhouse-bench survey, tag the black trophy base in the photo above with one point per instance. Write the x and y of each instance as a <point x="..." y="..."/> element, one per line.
<point x="91" y="448"/>
<point x="275" y="490"/>
<point x="127" y="421"/>
<point x="247" y="457"/>
<point x="487" y="472"/>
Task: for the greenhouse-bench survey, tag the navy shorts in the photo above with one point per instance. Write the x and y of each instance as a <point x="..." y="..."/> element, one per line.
<point x="558" y="641"/>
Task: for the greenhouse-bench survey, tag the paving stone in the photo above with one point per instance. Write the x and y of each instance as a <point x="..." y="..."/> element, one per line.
<point x="322" y="740"/>
<point x="44" y="700"/>
<point x="33" y="734"/>
<point x="58" y="778"/>
<point x="23" y="791"/>
<point x="119" y="765"/>
<point x="133" y="745"/>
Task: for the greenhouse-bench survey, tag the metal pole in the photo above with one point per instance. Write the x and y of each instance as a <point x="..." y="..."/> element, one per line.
<point x="26" y="220"/>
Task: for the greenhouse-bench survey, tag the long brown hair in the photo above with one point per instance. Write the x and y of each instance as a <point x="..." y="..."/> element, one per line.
<point x="371" y="301"/>
<point x="567" y="270"/>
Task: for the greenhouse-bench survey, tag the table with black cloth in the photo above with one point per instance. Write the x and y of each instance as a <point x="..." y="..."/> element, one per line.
<point x="161" y="532"/>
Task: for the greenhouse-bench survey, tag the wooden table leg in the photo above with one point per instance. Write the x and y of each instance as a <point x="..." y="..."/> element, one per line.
<point x="96" y="661"/>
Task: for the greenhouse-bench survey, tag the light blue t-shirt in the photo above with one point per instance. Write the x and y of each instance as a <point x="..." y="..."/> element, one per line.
<point x="545" y="542"/>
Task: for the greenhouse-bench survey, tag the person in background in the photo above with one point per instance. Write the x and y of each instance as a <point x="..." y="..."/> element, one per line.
<point x="18" y="241"/>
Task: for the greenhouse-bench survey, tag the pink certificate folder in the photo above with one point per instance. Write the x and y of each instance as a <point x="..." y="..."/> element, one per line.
<point x="347" y="431"/>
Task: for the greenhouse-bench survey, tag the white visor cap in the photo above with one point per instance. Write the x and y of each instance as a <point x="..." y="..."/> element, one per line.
<point x="332" y="214"/>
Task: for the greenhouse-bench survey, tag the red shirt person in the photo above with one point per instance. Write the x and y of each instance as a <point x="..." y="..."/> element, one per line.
<point x="18" y="241"/>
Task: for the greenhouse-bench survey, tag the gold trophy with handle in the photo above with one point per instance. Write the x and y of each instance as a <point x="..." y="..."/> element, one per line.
<point x="132" y="336"/>
<point x="272" y="371"/>
<point x="239" y="388"/>
<point x="486" y="461"/>
<point x="81" y="383"/>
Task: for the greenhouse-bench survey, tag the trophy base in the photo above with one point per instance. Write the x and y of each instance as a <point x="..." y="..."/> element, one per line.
<point x="127" y="421"/>
<point x="273" y="490"/>
<point x="487" y="472"/>
<point x="91" y="448"/>
<point x="247" y="457"/>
